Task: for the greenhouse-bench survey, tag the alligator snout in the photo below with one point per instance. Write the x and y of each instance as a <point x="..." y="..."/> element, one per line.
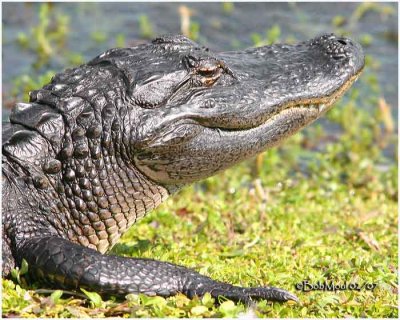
<point x="341" y="48"/>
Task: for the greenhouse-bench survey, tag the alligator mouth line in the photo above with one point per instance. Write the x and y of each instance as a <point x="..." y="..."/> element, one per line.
<point x="321" y="104"/>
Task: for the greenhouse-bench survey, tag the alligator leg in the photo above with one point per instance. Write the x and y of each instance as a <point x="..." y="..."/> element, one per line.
<point x="64" y="264"/>
<point x="8" y="260"/>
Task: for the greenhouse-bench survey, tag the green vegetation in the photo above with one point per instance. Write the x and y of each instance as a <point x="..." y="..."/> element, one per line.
<point x="98" y="36"/>
<point x="74" y="58"/>
<point x="338" y="21"/>
<point x="321" y="207"/>
<point x="189" y="27"/>
<point x="365" y="7"/>
<point x="120" y="41"/>
<point x="145" y="27"/>
<point x="26" y="83"/>
<point x="46" y="37"/>
<point x="194" y="30"/>
<point x="228" y="7"/>
<point x="366" y="39"/>
<point x="272" y="35"/>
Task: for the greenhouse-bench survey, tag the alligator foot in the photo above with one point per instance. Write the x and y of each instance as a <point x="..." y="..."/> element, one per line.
<point x="66" y="265"/>
<point x="263" y="293"/>
<point x="245" y="295"/>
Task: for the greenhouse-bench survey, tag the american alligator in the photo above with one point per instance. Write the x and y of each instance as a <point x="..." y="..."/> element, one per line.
<point x="106" y="142"/>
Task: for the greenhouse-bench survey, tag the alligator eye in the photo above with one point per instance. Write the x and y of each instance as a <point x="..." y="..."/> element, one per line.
<point x="209" y="75"/>
<point x="208" y="72"/>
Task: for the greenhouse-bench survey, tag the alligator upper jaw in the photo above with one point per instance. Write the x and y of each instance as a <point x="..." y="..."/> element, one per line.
<point x="275" y="78"/>
<point x="323" y="104"/>
<point x="311" y="107"/>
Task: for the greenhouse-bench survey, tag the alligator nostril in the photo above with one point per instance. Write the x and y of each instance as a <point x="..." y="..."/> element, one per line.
<point x="342" y="42"/>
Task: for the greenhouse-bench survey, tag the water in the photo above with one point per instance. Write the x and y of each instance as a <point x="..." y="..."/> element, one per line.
<point x="219" y="30"/>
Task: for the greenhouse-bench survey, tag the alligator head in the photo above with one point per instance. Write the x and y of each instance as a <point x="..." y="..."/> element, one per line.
<point x="197" y="112"/>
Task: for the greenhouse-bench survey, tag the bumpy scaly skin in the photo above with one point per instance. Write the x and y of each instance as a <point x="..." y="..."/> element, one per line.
<point x="107" y="142"/>
<point x="71" y="265"/>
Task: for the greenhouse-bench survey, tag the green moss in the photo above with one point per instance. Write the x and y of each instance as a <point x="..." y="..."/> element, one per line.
<point x="321" y="207"/>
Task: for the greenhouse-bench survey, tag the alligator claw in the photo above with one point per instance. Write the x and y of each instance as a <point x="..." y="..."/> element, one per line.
<point x="248" y="295"/>
<point x="267" y="293"/>
<point x="272" y="294"/>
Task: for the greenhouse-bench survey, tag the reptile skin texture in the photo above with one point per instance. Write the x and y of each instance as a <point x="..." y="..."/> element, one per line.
<point x="72" y="266"/>
<point x="105" y="143"/>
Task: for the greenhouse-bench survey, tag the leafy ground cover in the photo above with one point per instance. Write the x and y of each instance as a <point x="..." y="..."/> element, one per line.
<point x="292" y="214"/>
<point x="320" y="208"/>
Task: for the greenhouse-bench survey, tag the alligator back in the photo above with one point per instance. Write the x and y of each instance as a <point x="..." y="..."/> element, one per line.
<point x="64" y="161"/>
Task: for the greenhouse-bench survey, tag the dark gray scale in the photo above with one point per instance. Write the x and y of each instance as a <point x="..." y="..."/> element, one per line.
<point x="9" y="130"/>
<point x="28" y="147"/>
<point x="108" y="114"/>
<point x="44" y="96"/>
<point x="72" y="106"/>
<point x="94" y="131"/>
<point x="111" y="53"/>
<point x="80" y="170"/>
<point x="67" y="148"/>
<point x="81" y="148"/>
<point x="69" y="174"/>
<point x="71" y="76"/>
<point x="86" y="118"/>
<point x="52" y="166"/>
<point x="95" y="150"/>
<point x="112" y="63"/>
<point x="41" y="118"/>
<point x="60" y="89"/>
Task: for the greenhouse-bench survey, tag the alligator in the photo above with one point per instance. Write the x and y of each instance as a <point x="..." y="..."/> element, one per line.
<point x="105" y="143"/>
